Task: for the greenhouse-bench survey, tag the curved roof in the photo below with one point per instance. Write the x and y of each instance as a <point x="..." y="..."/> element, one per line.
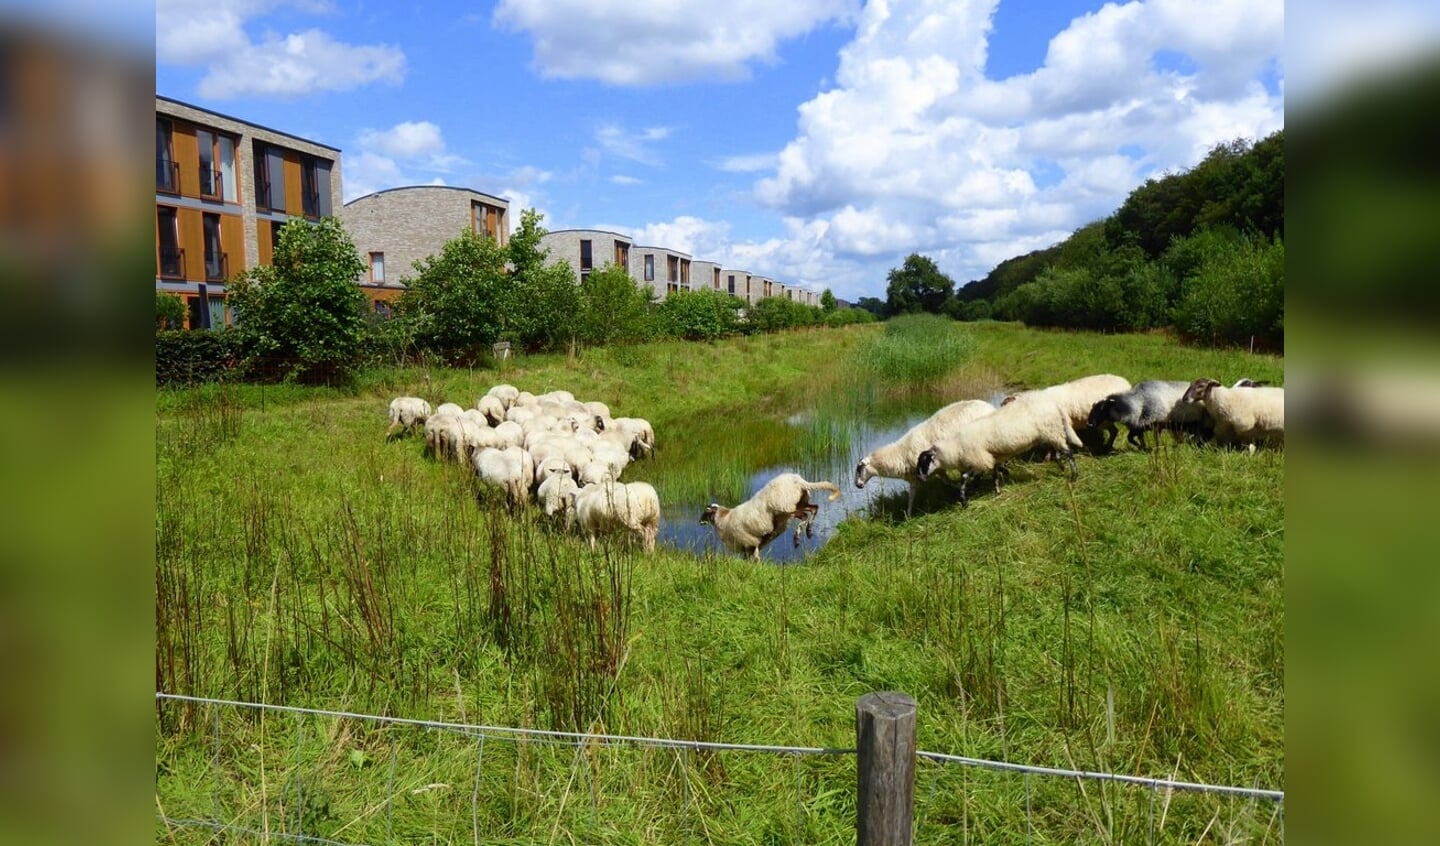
<point x="428" y="187"/>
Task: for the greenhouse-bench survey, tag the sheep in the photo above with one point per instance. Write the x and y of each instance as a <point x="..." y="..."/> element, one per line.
<point x="520" y="414"/>
<point x="405" y="414"/>
<point x="507" y="395"/>
<point x="510" y="433"/>
<point x="983" y="445"/>
<point x="547" y="467"/>
<point x="511" y="469"/>
<point x="616" y="505"/>
<point x="450" y="408"/>
<point x="1077" y="397"/>
<point x="599" y="409"/>
<point x="1149" y="405"/>
<point x="492" y="407"/>
<point x="644" y="433"/>
<point x="896" y="460"/>
<point x="750" y="526"/>
<point x="444" y="435"/>
<point x="556" y="496"/>
<point x="475" y="436"/>
<point x="1242" y="415"/>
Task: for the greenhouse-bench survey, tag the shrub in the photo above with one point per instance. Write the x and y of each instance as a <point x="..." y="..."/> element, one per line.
<point x="771" y="314"/>
<point x="847" y="316"/>
<point x="305" y="309"/>
<point x="698" y="315"/>
<point x="613" y="309"/>
<point x="454" y="304"/>
<point x="189" y="358"/>
<point x="542" y="302"/>
<point x="169" y="311"/>
<point x="1235" y="294"/>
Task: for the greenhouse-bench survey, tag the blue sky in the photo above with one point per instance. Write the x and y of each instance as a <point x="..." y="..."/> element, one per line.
<point x="815" y="141"/>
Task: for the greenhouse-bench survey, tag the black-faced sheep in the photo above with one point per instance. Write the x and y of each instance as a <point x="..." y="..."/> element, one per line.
<point x="896" y="460"/>
<point x="1242" y="415"/>
<point x="983" y="445"/>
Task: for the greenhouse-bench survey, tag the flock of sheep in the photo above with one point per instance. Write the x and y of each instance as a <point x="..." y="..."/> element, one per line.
<point x="568" y="455"/>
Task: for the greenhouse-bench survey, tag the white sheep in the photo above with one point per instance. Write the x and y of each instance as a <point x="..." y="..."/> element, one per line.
<point x="492" y="407"/>
<point x="520" y="414"/>
<point x="634" y="507"/>
<point x="556" y="496"/>
<point x="640" y="428"/>
<point x="983" y="445"/>
<point x="1077" y="397"/>
<point x="505" y="393"/>
<point x="598" y="409"/>
<point x="406" y="413"/>
<point x="750" y="526"/>
<point x="510" y="469"/>
<point x="1245" y="415"/>
<point x="510" y="433"/>
<point x="444" y="436"/>
<point x="896" y="460"/>
<point x="450" y="408"/>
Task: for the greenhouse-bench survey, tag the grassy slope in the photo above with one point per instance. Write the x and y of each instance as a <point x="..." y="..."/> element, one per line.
<point x="1154" y="582"/>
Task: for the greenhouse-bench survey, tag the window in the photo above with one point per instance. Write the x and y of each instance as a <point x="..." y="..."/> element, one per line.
<point x="732" y="283"/>
<point x="586" y="261"/>
<point x="197" y="312"/>
<point x="217" y="312"/>
<point x="377" y="268"/>
<point x="672" y="268"/>
<point x="167" y="173"/>
<point x="649" y="267"/>
<point x="382" y="308"/>
<point x="715" y="281"/>
<point x="269" y="177"/>
<point x="685" y="272"/>
<point x="486" y="219"/>
<point x="309" y="196"/>
<point x="215" y="263"/>
<point x="622" y="255"/>
<point x="209" y="174"/>
<point x="172" y="258"/>
<point x="275" y="227"/>
<point x="671" y="287"/>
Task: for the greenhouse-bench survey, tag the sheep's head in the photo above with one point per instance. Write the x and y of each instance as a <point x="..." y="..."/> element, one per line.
<point x="863" y="472"/>
<point x="708" y="516"/>
<point x="1199" y="390"/>
<point x="1251" y="383"/>
<point x="1100" y="411"/>
<point x="927" y="464"/>
<point x="1008" y="400"/>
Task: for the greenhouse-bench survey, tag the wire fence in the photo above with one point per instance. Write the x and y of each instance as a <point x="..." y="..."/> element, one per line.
<point x="246" y="771"/>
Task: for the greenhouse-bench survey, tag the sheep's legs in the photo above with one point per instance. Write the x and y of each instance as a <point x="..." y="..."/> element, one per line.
<point x="1074" y="473"/>
<point x="910" y="506"/>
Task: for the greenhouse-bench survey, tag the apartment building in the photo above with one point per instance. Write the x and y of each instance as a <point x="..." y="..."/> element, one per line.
<point x="397" y="227"/>
<point x="223" y="189"/>
<point x="662" y="268"/>
<point x="705" y="276"/>
<point x="589" y="249"/>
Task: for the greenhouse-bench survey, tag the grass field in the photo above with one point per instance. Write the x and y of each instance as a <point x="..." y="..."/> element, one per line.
<point x="1131" y="621"/>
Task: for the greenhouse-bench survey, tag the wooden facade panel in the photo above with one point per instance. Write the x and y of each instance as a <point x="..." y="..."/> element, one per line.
<point x="192" y="241"/>
<point x="263" y="241"/>
<point x="294" y="201"/>
<point x="187" y="158"/>
<point x="232" y="241"/>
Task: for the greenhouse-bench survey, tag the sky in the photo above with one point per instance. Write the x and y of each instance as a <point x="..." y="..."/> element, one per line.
<point x="818" y="142"/>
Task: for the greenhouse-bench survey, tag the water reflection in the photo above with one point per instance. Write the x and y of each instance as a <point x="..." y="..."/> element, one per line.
<point x="680" y="527"/>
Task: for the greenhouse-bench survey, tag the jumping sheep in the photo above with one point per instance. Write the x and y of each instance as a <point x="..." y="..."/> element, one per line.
<point x="750" y="526"/>
<point x="634" y="507"/>
<point x="406" y="413"/>
<point x="1242" y="415"/>
<point x="897" y="460"/>
<point x="983" y="445"/>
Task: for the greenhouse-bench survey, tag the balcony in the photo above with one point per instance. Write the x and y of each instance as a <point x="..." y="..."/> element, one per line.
<point x="172" y="263"/>
<point x="217" y="267"/>
<point x="167" y="176"/>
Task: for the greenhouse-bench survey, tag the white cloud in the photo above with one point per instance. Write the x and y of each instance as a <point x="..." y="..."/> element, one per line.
<point x="749" y="163"/>
<point x="621" y="179"/>
<point x="211" y="33"/>
<point x="635" y="146"/>
<point x="410" y="139"/>
<point x="408" y="153"/>
<point x="916" y="150"/>
<point x="647" y="42"/>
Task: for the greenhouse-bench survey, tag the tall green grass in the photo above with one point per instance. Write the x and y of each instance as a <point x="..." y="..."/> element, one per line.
<point x="1131" y="621"/>
<point x="915" y="350"/>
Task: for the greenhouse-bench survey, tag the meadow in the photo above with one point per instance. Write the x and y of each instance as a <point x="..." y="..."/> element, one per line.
<point x="1131" y="621"/>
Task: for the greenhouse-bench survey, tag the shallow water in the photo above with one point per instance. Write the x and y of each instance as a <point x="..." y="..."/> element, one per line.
<point x="680" y="527"/>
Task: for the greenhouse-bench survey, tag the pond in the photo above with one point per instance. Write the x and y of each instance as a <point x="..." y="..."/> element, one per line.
<point x="855" y="436"/>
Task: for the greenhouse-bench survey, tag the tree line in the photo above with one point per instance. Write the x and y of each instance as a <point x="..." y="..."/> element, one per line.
<point x="1199" y="252"/>
<point x="305" y="312"/>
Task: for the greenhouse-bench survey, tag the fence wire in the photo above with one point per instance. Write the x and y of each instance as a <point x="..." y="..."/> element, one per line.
<point x="350" y="778"/>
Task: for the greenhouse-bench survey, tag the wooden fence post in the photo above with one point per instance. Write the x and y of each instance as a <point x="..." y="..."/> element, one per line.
<point x="885" y="741"/>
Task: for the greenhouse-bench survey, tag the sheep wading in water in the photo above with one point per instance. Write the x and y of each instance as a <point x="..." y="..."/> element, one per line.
<point x="750" y="526"/>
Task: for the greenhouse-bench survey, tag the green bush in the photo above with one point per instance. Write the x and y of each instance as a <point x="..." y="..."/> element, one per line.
<point x="454" y="305"/>
<point x="189" y="358"/>
<point x="169" y="311"/>
<point x="772" y="314"/>
<point x="542" y="303"/>
<point x="1237" y="293"/>
<point x="698" y="315"/>
<point x="304" y="311"/>
<point x="847" y="316"/>
<point x="612" y="309"/>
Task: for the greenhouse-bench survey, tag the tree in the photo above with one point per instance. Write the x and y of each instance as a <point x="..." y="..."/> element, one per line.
<point x="613" y="309"/>
<point x="827" y="301"/>
<point x="305" y="307"/>
<point x="456" y="301"/>
<point x="918" y="285"/>
<point x="169" y="311"/>
<point x="542" y="308"/>
<point x="698" y="315"/>
<point x="874" y="305"/>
